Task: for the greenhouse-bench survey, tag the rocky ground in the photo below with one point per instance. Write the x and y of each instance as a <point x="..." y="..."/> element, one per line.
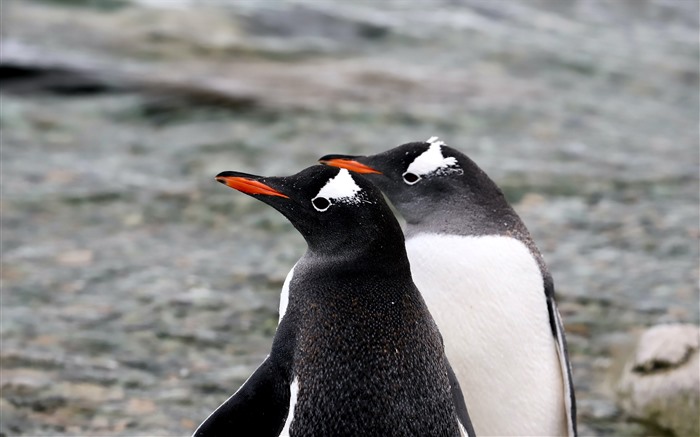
<point x="137" y="293"/>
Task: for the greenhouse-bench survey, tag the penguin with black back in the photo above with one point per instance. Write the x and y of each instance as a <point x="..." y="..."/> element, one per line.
<point x="485" y="283"/>
<point x="356" y="352"/>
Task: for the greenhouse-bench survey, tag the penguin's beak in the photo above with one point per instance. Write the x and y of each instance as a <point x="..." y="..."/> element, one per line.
<point x="348" y="162"/>
<point x="247" y="183"/>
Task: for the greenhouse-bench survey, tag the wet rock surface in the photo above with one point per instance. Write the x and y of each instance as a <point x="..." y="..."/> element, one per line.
<point x="137" y="293"/>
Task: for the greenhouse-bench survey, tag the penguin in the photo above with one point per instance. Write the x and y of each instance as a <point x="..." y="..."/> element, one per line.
<point x="485" y="283"/>
<point x="356" y="351"/>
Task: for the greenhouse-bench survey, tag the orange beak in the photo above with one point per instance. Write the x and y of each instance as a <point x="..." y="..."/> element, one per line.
<point x="248" y="186"/>
<point x="349" y="164"/>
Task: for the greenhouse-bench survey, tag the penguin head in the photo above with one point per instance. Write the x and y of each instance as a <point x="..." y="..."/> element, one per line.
<point x="332" y="208"/>
<point x="421" y="178"/>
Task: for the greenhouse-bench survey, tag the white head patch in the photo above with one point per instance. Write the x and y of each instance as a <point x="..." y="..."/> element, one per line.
<point x="432" y="161"/>
<point x="342" y="188"/>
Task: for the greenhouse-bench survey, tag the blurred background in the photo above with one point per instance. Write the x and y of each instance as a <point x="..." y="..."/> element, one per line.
<point x="138" y="294"/>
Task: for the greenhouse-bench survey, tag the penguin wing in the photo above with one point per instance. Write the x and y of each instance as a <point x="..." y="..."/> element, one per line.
<point x="260" y="406"/>
<point x="558" y="331"/>
<point x="465" y="422"/>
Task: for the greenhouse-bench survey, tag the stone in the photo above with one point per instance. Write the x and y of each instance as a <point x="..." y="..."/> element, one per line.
<point x="660" y="383"/>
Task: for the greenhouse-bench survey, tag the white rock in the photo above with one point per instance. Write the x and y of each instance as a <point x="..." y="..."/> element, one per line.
<point x="660" y="384"/>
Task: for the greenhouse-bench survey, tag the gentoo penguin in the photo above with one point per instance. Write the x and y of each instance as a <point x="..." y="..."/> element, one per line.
<point x="356" y="351"/>
<point x="486" y="285"/>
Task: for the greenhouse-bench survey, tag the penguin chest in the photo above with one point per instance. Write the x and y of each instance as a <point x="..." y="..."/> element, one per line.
<point x="372" y="388"/>
<point x="486" y="294"/>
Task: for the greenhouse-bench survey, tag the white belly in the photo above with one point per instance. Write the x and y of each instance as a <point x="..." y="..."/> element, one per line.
<point x="487" y="297"/>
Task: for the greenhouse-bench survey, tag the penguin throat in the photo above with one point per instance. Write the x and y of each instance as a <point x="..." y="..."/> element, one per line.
<point x="359" y="251"/>
<point x="464" y="217"/>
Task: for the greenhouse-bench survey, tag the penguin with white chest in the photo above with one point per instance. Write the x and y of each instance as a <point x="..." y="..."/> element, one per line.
<point x="356" y="352"/>
<point x="485" y="283"/>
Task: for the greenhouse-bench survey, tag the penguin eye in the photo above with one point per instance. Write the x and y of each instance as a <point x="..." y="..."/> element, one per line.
<point x="320" y="203"/>
<point x="410" y="178"/>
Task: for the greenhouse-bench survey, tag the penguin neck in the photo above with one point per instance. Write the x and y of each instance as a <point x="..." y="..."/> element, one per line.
<point x="365" y="252"/>
<point x="464" y="214"/>
<point x="350" y="285"/>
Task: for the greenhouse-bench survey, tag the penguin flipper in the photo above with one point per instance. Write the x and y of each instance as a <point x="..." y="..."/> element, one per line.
<point x="258" y="408"/>
<point x="559" y="336"/>
<point x="460" y="406"/>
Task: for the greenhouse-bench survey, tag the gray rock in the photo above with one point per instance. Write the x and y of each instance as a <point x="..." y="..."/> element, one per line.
<point x="660" y="384"/>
